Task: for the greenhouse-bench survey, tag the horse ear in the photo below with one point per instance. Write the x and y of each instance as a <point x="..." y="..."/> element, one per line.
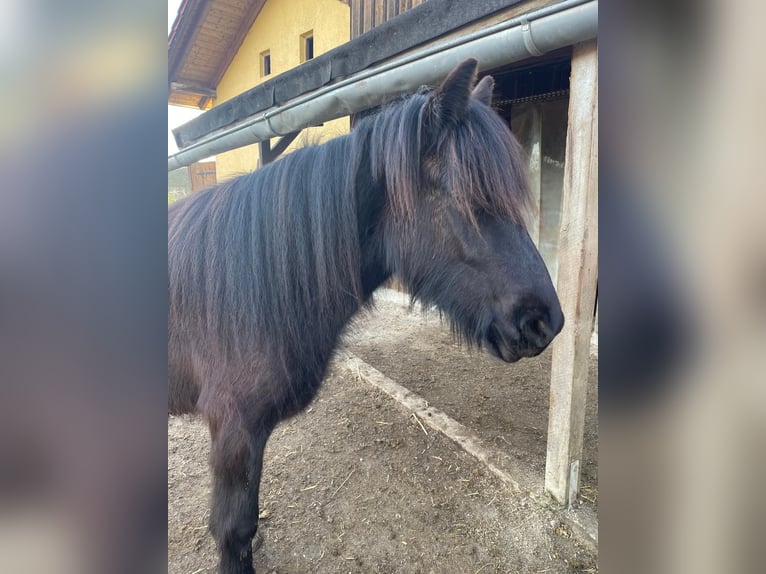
<point x="450" y="101"/>
<point x="483" y="90"/>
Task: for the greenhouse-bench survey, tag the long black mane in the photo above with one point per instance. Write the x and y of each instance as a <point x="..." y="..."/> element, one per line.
<point x="273" y="258"/>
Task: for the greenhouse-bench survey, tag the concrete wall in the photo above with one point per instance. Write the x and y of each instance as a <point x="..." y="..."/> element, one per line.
<point x="551" y="121"/>
<point x="278" y="29"/>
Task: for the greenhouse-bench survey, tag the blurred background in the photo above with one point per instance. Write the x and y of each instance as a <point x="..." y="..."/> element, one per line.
<point x="83" y="284"/>
<point x="682" y="287"/>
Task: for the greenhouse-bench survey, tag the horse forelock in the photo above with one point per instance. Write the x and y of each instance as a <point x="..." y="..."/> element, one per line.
<point x="477" y="160"/>
<point x="484" y="167"/>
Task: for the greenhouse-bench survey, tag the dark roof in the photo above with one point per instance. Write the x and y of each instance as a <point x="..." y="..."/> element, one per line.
<point x="417" y="26"/>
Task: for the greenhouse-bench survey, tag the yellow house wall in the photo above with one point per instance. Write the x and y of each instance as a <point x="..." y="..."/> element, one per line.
<point x="278" y="28"/>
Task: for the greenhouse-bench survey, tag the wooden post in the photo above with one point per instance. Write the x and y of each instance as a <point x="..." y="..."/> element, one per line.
<point x="576" y="287"/>
<point x="202" y="175"/>
<point x="264" y="153"/>
<point x="269" y="154"/>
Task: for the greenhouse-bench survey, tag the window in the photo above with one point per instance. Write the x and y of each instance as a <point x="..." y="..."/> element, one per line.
<point x="265" y="63"/>
<point x="307" y="46"/>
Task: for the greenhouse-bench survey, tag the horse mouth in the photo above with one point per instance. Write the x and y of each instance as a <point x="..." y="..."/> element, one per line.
<point x="498" y="346"/>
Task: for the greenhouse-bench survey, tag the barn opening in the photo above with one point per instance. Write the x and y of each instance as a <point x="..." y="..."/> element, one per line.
<point x="533" y="98"/>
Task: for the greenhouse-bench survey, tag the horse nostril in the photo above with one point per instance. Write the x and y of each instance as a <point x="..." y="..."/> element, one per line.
<point x="536" y="329"/>
<point x="540" y="328"/>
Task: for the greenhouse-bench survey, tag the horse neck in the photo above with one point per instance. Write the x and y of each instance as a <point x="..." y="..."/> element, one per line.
<point x="371" y="206"/>
<point x="374" y="271"/>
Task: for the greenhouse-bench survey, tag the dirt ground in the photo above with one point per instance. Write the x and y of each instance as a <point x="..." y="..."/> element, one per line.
<point x="506" y="405"/>
<point x="355" y="485"/>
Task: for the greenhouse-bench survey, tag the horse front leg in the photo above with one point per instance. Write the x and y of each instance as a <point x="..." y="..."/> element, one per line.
<point x="237" y="461"/>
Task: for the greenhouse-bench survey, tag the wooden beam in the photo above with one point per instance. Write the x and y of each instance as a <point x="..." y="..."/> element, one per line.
<point x="191" y="87"/>
<point x="269" y="154"/>
<point x="264" y="153"/>
<point x="283" y="142"/>
<point x="578" y="271"/>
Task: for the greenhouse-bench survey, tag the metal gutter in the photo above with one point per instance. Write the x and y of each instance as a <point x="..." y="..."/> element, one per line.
<point x="518" y="38"/>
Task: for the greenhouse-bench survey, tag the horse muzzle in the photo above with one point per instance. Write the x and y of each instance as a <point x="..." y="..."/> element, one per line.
<point x="526" y="335"/>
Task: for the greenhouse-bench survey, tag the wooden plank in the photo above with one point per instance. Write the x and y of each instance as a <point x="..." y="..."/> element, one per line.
<point x="279" y="148"/>
<point x="380" y="12"/>
<point x="367" y="15"/>
<point x="269" y="153"/>
<point x="191" y="87"/>
<point x="233" y="7"/>
<point x="578" y="261"/>
<point x="356" y="18"/>
<point x="202" y="175"/>
<point x="181" y="99"/>
<point x="391" y="9"/>
<point x="264" y="153"/>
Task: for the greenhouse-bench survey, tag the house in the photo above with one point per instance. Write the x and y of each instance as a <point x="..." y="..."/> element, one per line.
<point x="217" y="50"/>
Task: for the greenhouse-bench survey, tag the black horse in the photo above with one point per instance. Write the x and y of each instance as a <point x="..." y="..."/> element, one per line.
<point x="266" y="269"/>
